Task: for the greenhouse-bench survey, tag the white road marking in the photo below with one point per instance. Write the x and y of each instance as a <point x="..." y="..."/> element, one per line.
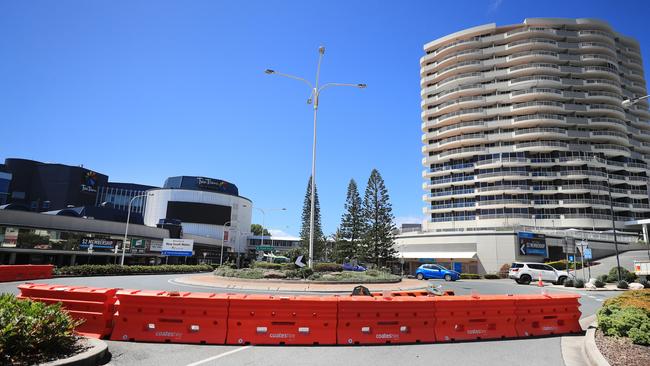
<point x="219" y="356"/>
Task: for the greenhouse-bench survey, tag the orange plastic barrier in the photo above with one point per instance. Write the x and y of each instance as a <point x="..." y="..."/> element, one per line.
<point x="378" y="320"/>
<point x="176" y="317"/>
<point x="11" y="273"/>
<point x="547" y="314"/>
<point x="474" y="317"/>
<point x="413" y="293"/>
<point x="93" y="305"/>
<point x="265" y="319"/>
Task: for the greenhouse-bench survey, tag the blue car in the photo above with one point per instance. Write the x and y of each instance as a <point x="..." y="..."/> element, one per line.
<point x="428" y="271"/>
<point x="351" y="267"/>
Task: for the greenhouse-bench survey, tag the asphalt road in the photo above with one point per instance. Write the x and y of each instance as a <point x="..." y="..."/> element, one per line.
<point x="533" y="351"/>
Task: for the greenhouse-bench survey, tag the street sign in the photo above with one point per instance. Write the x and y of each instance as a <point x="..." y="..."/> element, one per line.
<point x="299" y="262"/>
<point x="177" y="247"/>
<point x="571" y="258"/>
<point x="264" y="247"/>
<point x="587" y="253"/>
<point x="531" y="243"/>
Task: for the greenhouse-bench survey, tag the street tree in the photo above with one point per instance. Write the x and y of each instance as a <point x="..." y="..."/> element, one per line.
<point x="352" y="226"/>
<point x="257" y="230"/>
<point x="319" y="239"/>
<point x="378" y="239"/>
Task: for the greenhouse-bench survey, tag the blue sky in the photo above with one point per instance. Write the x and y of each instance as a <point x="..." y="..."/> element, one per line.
<point x="143" y="90"/>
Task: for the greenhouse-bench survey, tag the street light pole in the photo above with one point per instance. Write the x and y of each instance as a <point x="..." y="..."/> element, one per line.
<point x="126" y="230"/>
<point x="611" y="210"/>
<point x="223" y="238"/>
<point x="315" y="94"/>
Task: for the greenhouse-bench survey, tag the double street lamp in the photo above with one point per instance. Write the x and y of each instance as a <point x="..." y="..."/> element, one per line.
<point x="316" y="89"/>
<point x="126" y="230"/>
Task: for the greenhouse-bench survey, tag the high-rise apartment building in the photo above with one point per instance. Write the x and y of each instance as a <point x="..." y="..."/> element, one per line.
<point x="524" y="125"/>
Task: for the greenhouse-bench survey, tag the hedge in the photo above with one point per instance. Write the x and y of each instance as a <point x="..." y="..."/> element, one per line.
<point x="470" y="276"/>
<point x="328" y="267"/>
<point x="114" y="269"/>
<point x="627" y="315"/>
<point x="562" y="264"/>
<point x="626" y="275"/>
<point x="34" y="332"/>
<point x="491" y="276"/>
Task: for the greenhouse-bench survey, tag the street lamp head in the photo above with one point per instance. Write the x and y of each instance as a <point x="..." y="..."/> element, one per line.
<point x="362" y="86"/>
<point x="626" y="103"/>
<point x="321" y="50"/>
<point x="269" y="71"/>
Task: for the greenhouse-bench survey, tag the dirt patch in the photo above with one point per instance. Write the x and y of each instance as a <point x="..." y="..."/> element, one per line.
<point x="621" y="351"/>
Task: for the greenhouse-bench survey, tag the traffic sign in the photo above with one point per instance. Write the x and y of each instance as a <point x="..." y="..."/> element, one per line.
<point x="571" y="258"/>
<point x="264" y="247"/>
<point x="299" y="262"/>
<point x="587" y="253"/>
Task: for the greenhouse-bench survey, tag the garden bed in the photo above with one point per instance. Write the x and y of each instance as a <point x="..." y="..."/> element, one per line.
<point x="305" y="274"/>
<point x="117" y="270"/>
<point x="621" y="351"/>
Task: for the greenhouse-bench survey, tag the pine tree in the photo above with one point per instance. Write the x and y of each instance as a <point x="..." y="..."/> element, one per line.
<point x="378" y="241"/>
<point x="304" y="230"/>
<point x="352" y="225"/>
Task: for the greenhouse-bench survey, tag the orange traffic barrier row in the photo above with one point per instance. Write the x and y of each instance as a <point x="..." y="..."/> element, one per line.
<point x="95" y="306"/>
<point x="9" y="273"/>
<point x="397" y="318"/>
<point x="176" y="317"/>
<point x="265" y="319"/>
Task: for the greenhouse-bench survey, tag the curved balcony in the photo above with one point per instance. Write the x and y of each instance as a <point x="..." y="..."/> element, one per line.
<point x="585" y="202"/>
<point x="607" y="122"/>
<point x="636" y="167"/>
<point x="502" y="189"/>
<point x="538" y="80"/>
<point x="528" y="133"/>
<point x="598" y="58"/>
<point x="541" y="175"/>
<point x="539" y="119"/>
<point x="533" y="69"/>
<point x="445" y="195"/>
<point x="601" y="96"/>
<point x="535" y="93"/>
<point x="532" y="43"/>
<point x="464" y="67"/>
<point x="546" y="203"/>
<point x="532" y="56"/>
<point x="610" y="85"/>
<point x="583" y="174"/>
<point x="544" y="189"/>
<point x="596" y="36"/>
<point x="502" y="162"/>
<point x="458" y="116"/>
<point x="462" y="127"/>
<point x="606" y="109"/>
<point x="502" y="175"/>
<point x="455" y="58"/>
<point x="580" y="188"/>
<point x="539" y="106"/>
<point x="612" y="150"/>
<point x="638" y="193"/>
<point x="600" y="71"/>
<point x="597" y="47"/>
<point x="455" y="104"/>
<point x="521" y="203"/>
<point x="456" y="46"/>
<point x="542" y="146"/>
<point x="637" y="180"/>
<point x="462" y="152"/>
<point x="609" y="136"/>
<point x="530" y="31"/>
<point x="470" y="77"/>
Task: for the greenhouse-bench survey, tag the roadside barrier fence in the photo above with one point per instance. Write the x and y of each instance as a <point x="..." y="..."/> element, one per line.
<point x="10" y="273"/>
<point x="236" y="319"/>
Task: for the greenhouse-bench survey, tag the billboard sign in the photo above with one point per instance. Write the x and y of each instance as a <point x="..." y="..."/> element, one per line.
<point x="532" y="244"/>
<point x="99" y="245"/>
<point x="177" y="247"/>
<point x="138" y="246"/>
<point x="155" y="246"/>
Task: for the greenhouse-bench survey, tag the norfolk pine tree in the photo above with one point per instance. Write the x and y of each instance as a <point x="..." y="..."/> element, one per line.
<point x="377" y="213"/>
<point x="352" y="225"/>
<point x="304" y="229"/>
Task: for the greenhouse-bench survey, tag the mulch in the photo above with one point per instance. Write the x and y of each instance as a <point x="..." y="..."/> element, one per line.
<point x="621" y="351"/>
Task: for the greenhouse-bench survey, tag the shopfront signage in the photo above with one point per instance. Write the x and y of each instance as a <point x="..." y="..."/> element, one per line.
<point x="177" y="247"/>
<point x="264" y="247"/>
<point x="10" y="237"/>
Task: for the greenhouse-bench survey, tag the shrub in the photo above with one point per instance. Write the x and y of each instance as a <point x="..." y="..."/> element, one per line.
<point x="33" y="332"/>
<point x="266" y="265"/>
<point x="470" y="276"/>
<point x="114" y="269"/>
<point x="599" y="284"/>
<point x="568" y="283"/>
<point x="328" y="267"/>
<point x="491" y="276"/>
<point x="562" y="265"/>
<point x="305" y="272"/>
<point x="579" y="283"/>
<point x="603" y="278"/>
<point x="627" y="315"/>
<point x="645" y="283"/>
<point x="622" y="285"/>
<point x="625" y="275"/>
<point x="504" y="270"/>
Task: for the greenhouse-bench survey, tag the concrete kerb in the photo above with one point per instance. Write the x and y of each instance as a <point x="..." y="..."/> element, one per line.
<point x="96" y="352"/>
<point x="590" y="350"/>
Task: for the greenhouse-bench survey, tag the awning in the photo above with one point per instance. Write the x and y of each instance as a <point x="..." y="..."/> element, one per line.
<point x="437" y="255"/>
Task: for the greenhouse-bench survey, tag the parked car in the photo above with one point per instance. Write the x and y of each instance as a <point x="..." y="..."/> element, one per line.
<point x="428" y="271"/>
<point x="524" y="273"/>
<point x="353" y="267"/>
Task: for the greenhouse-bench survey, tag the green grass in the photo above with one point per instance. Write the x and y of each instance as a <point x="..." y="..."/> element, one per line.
<point x="33" y="332"/>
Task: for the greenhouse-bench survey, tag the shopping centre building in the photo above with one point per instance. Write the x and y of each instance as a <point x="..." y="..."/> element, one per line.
<point x="61" y="214"/>
<point x="524" y="131"/>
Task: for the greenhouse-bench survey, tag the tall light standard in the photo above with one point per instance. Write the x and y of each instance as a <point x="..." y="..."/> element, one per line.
<point x="223" y="238"/>
<point x="315" y="96"/>
<point x="126" y="230"/>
